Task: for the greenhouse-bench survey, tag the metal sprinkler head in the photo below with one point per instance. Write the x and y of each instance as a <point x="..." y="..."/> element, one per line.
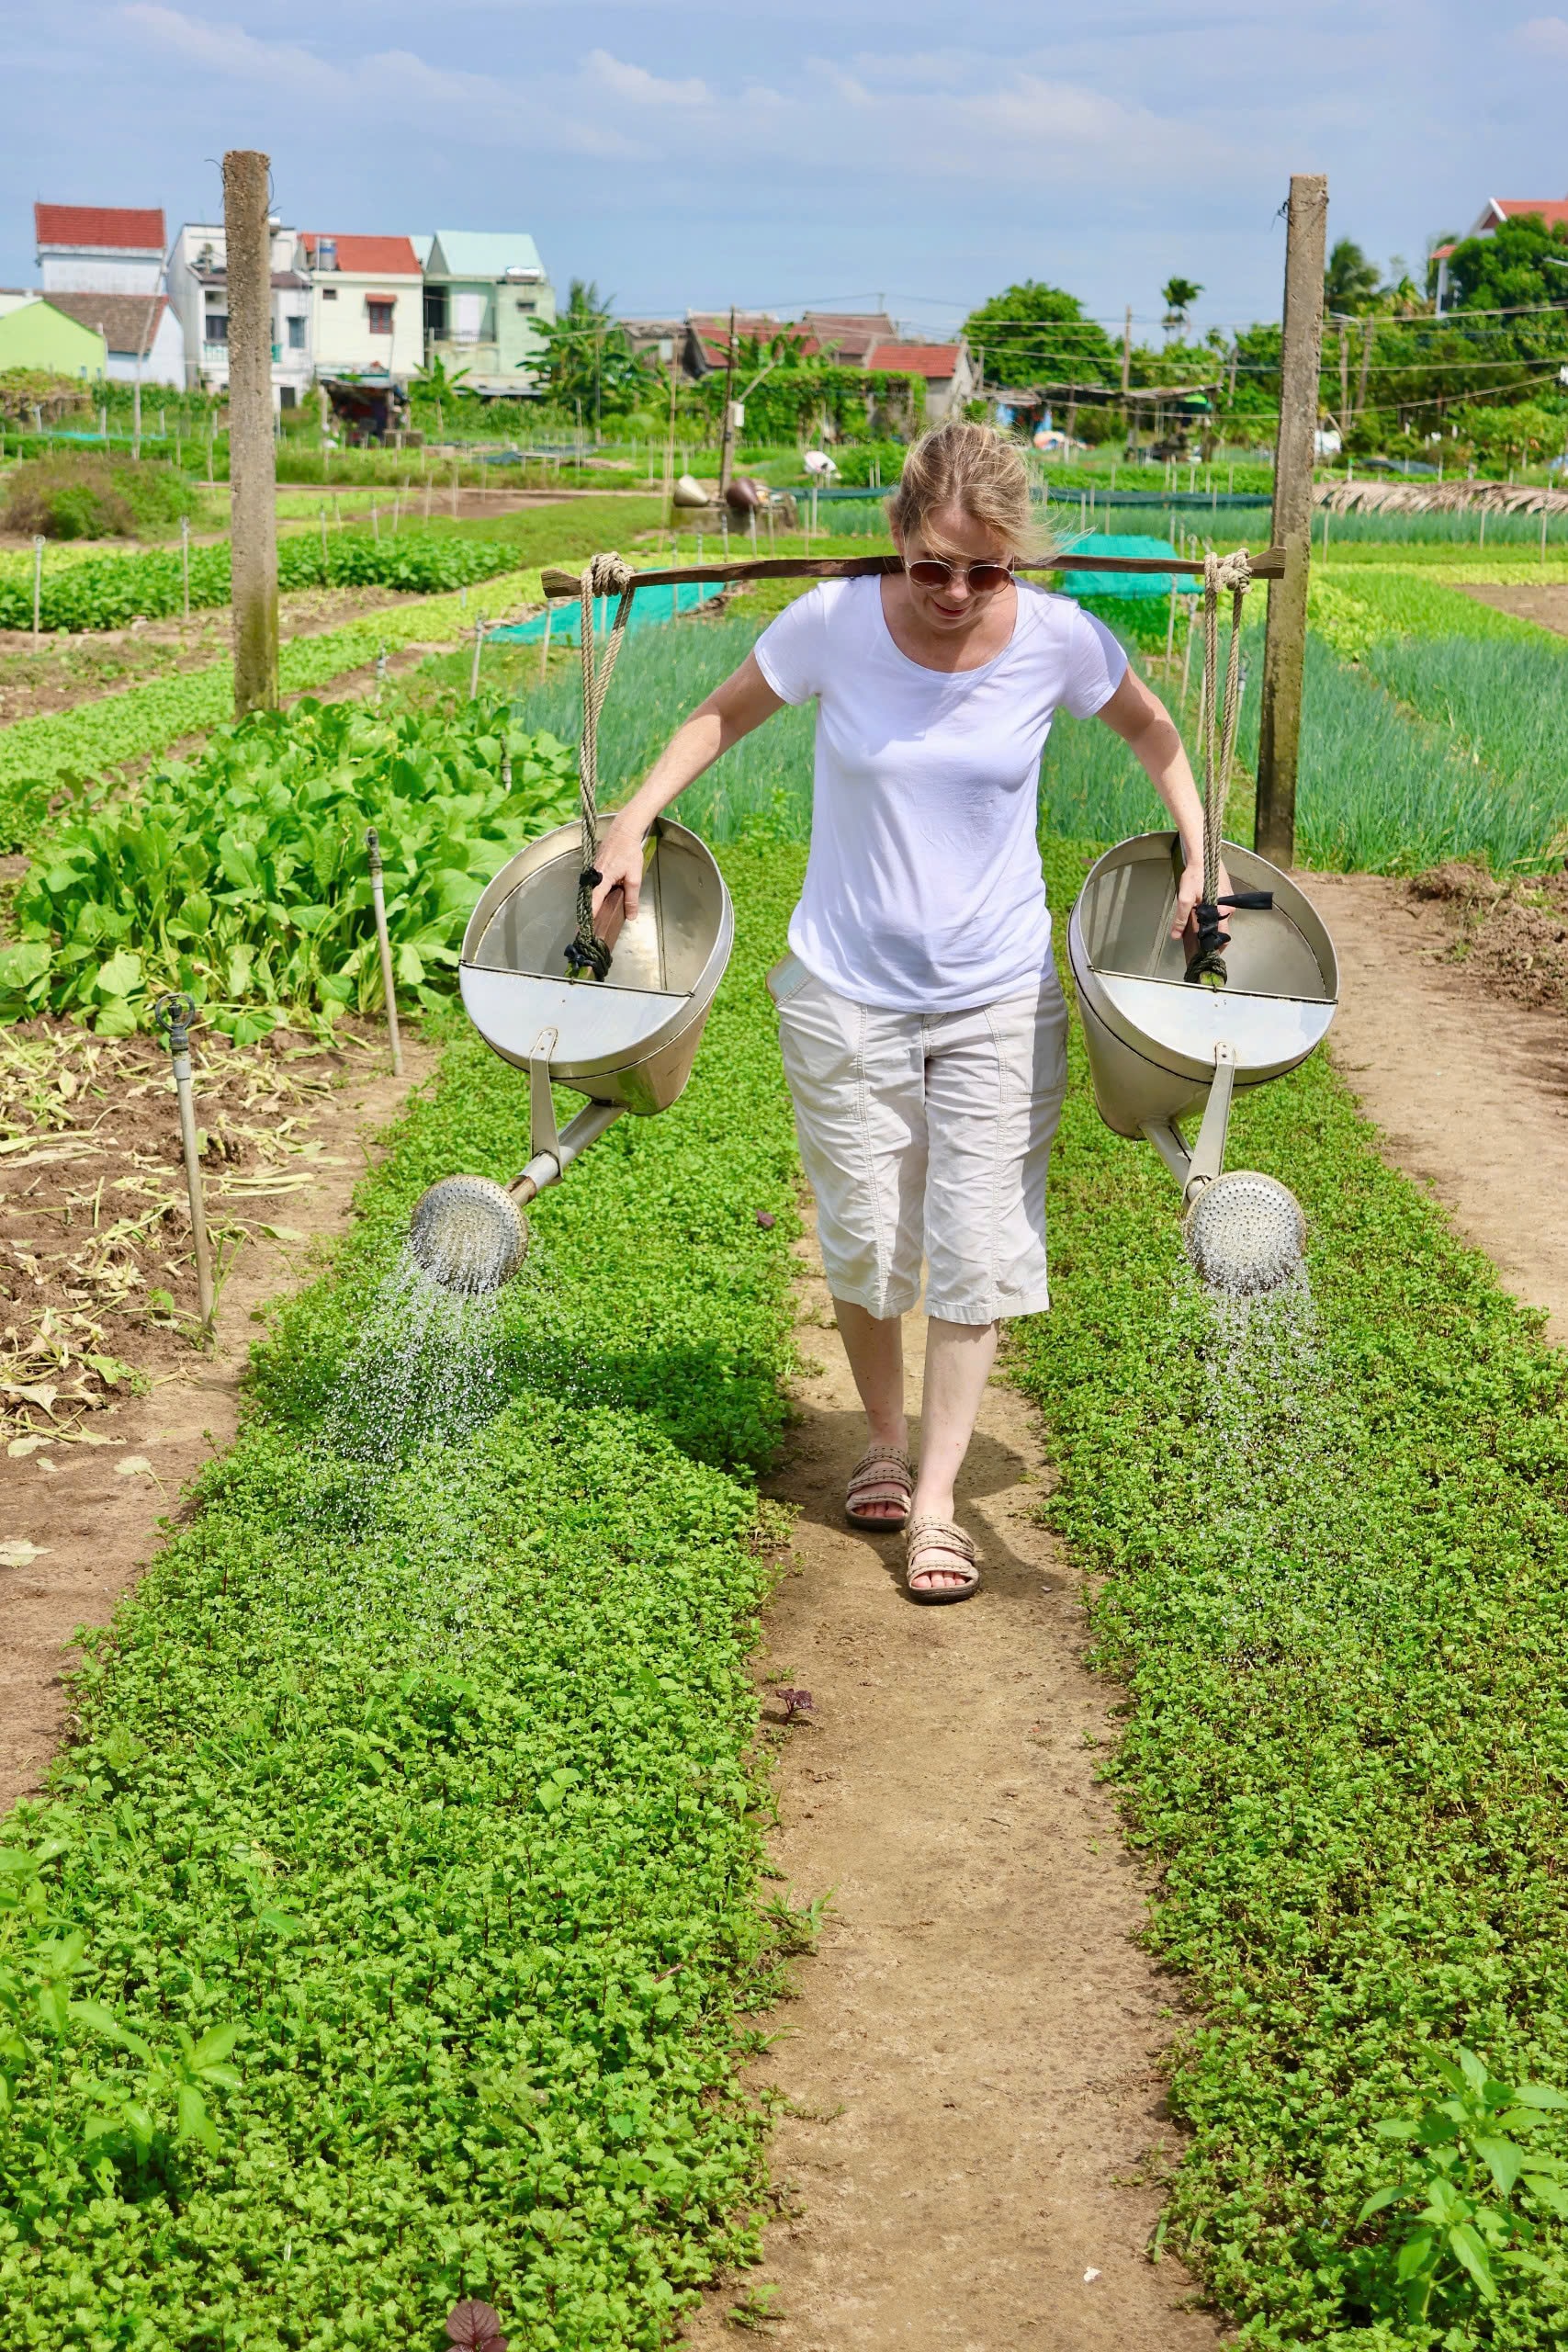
<point x="469" y="1233"/>
<point x="1244" y="1232"/>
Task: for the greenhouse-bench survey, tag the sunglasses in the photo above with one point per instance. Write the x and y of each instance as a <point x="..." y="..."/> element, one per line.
<point x="934" y="572"/>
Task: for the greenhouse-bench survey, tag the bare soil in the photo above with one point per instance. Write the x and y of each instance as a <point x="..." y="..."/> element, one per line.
<point x="970" y="2153"/>
<point x="1468" y="1083"/>
<point x="1512" y="936"/>
<point x="88" y="1477"/>
<point x="1548" y="604"/>
<point x="66" y="670"/>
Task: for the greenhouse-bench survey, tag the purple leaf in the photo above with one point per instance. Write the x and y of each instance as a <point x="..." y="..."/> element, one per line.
<point x="476" y="2327"/>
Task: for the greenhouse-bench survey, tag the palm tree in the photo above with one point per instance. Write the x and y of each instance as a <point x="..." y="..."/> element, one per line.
<point x="1350" y="281"/>
<point x="1179" y="294"/>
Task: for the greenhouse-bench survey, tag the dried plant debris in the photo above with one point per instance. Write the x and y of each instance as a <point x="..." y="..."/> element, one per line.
<point x="1514" y="932"/>
<point x="98" y="1284"/>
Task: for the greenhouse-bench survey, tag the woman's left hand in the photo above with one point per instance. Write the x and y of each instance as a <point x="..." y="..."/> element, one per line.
<point x="1189" y="890"/>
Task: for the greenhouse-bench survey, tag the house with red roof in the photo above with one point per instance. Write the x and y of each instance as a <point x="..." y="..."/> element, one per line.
<point x="103" y="265"/>
<point x="945" y="368"/>
<point x="1553" y="209"/>
<point x="367" y="304"/>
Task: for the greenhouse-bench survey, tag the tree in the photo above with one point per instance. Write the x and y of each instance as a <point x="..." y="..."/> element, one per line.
<point x="1177" y="294"/>
<point x="1512" y="267"/>
<point x="1520" y="432"/>
<point x="1350" y="281"/>
<point x="1034" y="333"/>
<point x="587" y="359"/>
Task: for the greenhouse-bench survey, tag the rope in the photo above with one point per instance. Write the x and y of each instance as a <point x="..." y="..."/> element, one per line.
<point x="1217" y="725"/>
<point x="604" y="575"/>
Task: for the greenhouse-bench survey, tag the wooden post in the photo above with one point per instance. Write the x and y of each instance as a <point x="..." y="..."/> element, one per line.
<point x="1284" y="642"/>
<point x="37" y="584"/>
<point x="252" y="470"/>
<point x="185" y="563"/>
<point x="727" y="439"/>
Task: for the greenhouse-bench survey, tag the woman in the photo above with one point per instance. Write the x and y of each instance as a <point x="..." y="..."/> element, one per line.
<point x="922" y="1024"/>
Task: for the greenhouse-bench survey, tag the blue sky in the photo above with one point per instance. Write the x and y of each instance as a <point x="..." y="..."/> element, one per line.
<point x="821" y="151"/>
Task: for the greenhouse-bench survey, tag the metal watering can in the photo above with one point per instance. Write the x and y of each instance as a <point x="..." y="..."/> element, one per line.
<point x="1160" y="1043"/>
<point x="627" y="1041"/>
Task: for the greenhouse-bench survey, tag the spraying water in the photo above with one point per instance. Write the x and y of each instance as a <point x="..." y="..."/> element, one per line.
<point x="1267" y="1418"/>
<point x="425" y="1369"/>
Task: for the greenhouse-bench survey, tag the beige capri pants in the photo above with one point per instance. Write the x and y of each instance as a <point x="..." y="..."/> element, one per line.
<point x="927" y="1135"/>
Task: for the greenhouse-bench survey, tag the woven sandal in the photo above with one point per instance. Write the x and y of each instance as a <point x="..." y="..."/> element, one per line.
<point x="882" y="1475"/>
<point x="932" y="1543"/>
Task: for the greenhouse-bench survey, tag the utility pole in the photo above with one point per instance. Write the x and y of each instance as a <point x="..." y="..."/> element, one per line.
<point x="727" y="443"/>
<point x="1284" y="641"/>
<point x="1126" y="350"/>
<point x="253" y="467"/>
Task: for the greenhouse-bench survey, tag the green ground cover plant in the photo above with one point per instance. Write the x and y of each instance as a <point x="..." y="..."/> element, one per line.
<point x="240" y="876"/>
<point x="45" y="759"/>
<point x="1337" y="1611"/>
<point x="420" y="1776"/>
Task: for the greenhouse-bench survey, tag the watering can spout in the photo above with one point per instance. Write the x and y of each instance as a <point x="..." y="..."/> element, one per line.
<point x="1160" y="1046"/>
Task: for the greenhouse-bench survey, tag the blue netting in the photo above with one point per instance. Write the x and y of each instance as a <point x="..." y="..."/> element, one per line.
<point x="649" y="605"/>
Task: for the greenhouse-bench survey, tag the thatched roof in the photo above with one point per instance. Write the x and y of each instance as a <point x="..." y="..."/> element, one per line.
<point x="1437" y="498"/>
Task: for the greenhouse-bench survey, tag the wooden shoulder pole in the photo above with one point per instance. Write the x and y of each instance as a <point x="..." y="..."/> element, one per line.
<point x="1284" y="641"/>
<point x="252" y="458"/>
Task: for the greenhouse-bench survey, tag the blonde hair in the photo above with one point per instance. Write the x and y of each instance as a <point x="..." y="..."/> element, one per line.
<point x="974" y="467"/>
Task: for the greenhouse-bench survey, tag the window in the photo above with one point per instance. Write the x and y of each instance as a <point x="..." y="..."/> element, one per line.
<point x="329" y="293"/>
<point x="525" y="303"/>
<point x="217" y="326"/>
<point x="381" y="315"/>
<point x="296" y="333"/>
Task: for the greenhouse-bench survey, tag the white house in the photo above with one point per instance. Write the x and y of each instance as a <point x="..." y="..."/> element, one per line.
<point x="367" y="305"/>
<point x="103" y="265"/>
<point x="199" y="288"/>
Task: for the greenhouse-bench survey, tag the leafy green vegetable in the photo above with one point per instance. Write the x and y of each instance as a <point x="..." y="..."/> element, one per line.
<point x="240" y="877"/>
<point x="42" y="758"/>
<point x="436" y="1776"/>
<point x="110" y="590"/>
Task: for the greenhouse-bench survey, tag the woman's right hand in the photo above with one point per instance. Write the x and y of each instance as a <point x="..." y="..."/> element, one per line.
<point x="619" y="863"/>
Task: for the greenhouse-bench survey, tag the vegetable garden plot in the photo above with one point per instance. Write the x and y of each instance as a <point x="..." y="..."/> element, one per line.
<point x="1348" y="1738"/>
<point x="240" y="877"/>
<point x="423" y="1801"/>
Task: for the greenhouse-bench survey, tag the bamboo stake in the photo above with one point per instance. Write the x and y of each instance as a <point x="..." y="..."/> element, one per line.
<point x="184" y="562"/>
<point x="38" y="585"/>
<point x="545" y="642"/>
<point x="1170" y="631"/>
<point x="474" y="665"/>
<point x="173" y="1014"/>
<point x="384" y="946"/>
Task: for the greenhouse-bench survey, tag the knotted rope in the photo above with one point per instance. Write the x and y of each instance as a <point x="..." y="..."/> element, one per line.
<point x="1218" y="728"/>
<point x="604" y="575"/>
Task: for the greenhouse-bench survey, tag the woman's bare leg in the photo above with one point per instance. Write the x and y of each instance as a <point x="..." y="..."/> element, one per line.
<point x="959" y="1357"/>
<point x="874" y="1346"/>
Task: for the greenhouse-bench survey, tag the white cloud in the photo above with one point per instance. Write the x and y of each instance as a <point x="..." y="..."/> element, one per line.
<point x="1545" y="37"/>
<point x="638" y="88"/>
<point x="228" y="48"/>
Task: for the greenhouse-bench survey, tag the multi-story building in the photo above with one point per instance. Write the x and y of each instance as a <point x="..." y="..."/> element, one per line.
<point x="486" y="295"/>
<point x="103" y="265"/>
<point x="199" y="288"/>
<point x="366" y="305"/>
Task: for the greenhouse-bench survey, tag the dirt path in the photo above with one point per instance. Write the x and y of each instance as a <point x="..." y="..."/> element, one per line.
<point x="1470" y="1089"/>
<point x="972" y="2065"/>
<point x="90" y="1518"/>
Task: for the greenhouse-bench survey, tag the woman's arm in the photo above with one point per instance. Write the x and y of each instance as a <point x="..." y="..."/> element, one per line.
<point x="1138" y="716"/>
<point x="732" y="710"/>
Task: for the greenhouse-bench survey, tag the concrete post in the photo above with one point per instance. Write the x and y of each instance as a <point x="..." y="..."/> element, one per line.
<point x="1284" y="640"/>
<point x="252" y="454"/>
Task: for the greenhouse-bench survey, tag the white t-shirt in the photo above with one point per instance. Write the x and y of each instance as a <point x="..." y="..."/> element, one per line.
<point x="923" y="891"/>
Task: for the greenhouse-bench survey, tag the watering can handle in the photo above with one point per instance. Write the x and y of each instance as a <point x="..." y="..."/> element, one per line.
<point x="1254" y="902"/>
